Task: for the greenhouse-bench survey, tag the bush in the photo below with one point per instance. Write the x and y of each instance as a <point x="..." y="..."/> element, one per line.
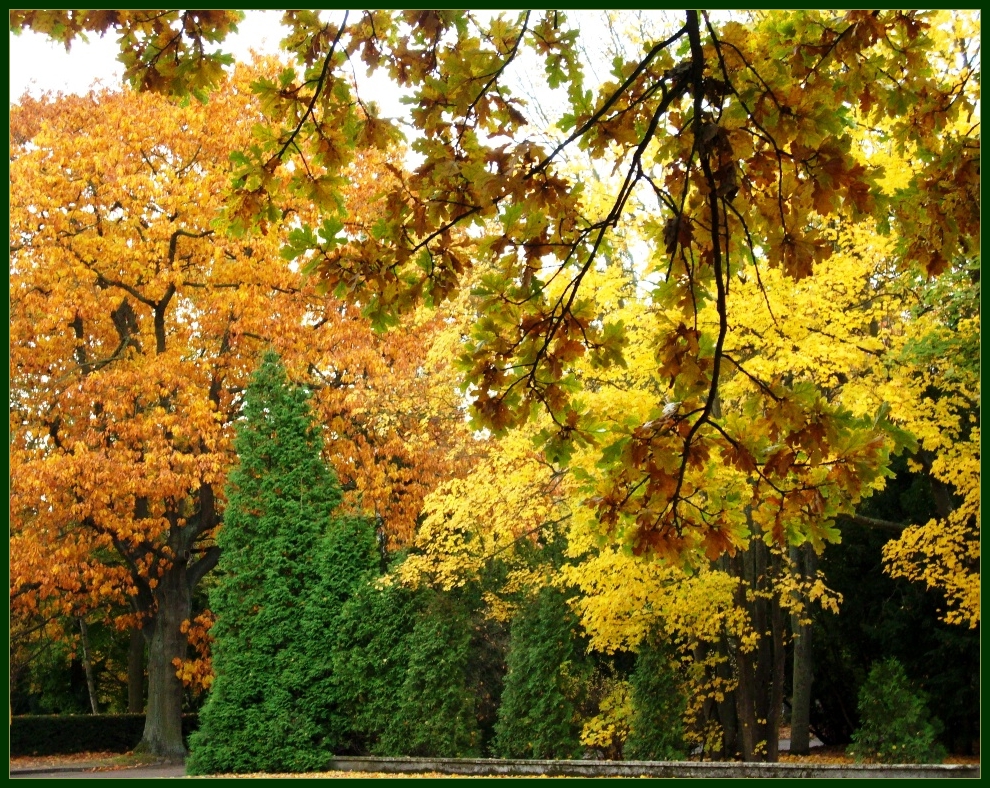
<point x="895" y="726"/>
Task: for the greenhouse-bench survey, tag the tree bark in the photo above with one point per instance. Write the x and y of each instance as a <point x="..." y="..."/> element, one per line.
<point x="88" y="665"/>
<point x="745" y="669"/>
<point x="727" y="715"/>
<point x="166" y="642"/>
<point x="135" y="672"/>
<point x="804" y="560"/>
<point x="760" y="673"/>
<point x="165" y="605"/>
<point x="779" y="667"/>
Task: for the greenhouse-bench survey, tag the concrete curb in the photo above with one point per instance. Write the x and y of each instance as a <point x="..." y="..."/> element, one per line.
<point x="520" y="768"/>
<point x="83" y="767"/>
<point x="491" y="766"/>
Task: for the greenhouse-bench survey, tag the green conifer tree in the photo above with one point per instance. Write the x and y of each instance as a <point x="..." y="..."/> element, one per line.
<point x="895" y="724"/>
<point x="285" y="570"/>
<point x="547" y="671"/>
<point x="436" y="709"/>
<point x="370" y="659"/>
<point x="657" y="727"/>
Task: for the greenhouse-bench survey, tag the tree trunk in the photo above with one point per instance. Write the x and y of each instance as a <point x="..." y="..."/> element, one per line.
<point x="779" y="668"/>
<point x="166" y="642"/>
<point x="726" y="672"/>
<point x="135" y="672"/>
<point x="760" y="673"/>
<point x="804" y="564"/>
<point x="745" y="670"/>
<point x="727" y="716"/>
<point x="88" y="665"/>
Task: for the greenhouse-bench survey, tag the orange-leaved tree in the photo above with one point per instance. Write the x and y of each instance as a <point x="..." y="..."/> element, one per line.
<point x="134" y="328"/>
<point x="740" y="135"/>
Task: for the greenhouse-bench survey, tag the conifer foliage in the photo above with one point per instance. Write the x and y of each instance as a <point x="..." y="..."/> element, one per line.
<point x="278" y="589"/>
<point x="538" y="717"/>
<point x="436" y="710"/>
<point x="657" y="730"/>
<point x="896" y="726"/>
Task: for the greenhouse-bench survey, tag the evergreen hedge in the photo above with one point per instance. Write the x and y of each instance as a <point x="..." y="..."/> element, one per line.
<point x="435" y="715"/>
<point x="547" y="672"/>
<point x="657" y="726"/>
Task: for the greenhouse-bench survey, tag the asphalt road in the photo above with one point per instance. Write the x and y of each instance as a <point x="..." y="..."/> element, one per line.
<point x="131" y="773"/>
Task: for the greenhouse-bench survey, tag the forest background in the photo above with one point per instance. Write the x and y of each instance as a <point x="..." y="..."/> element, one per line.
<point x="697" y="437"/>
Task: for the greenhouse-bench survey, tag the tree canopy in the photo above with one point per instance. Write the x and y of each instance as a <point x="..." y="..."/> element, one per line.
<point x="695" y="304"/>
<point x="135" y="325"/>
<point x="738" y="139"/>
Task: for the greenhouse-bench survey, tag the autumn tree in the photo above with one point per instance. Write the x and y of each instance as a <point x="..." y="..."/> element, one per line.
<point x="135" y="326"/>
<point x="731" y="132"/>
<point x="735" y="147"/>
<point x="934" y="379"/>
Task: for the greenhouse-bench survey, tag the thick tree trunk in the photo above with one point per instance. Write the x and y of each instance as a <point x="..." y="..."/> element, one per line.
<point x="135" y="672"/>
<point x="88" y="665"/>
<point x="166" y="642"/>
<point x="745" y="670"/>
<point x="804" y="563"/>
<point x="726" y="671"/>
<point x="760" y="673"/>
<point x="727" y="716"/>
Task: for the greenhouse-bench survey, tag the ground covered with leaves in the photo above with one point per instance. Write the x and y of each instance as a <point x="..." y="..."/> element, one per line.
<point x="113" y="761"/>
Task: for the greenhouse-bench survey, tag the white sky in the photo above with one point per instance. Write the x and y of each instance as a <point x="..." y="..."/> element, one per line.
<point x="38" y="64"/>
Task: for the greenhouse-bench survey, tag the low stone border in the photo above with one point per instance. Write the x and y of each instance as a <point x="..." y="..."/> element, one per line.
<point x="497" y="767"/>
<point x="494" y="766"/>
<point x="85" y="767"/>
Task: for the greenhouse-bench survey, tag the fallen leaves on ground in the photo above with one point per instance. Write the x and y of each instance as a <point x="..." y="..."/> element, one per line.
<point x="113" y="761"/>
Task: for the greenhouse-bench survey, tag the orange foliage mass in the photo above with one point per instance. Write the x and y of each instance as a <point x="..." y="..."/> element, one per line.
<point x="134" y="327"/>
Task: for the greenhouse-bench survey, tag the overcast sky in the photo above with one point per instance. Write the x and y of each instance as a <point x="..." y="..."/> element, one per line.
<point x="38" y="64"/>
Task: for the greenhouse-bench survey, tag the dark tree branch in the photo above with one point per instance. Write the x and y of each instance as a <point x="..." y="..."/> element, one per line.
<point x="199" y="569"/>
<point x="873" y="522"/>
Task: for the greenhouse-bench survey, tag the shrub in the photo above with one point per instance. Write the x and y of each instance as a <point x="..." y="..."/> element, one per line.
<point x="895" y="726"/>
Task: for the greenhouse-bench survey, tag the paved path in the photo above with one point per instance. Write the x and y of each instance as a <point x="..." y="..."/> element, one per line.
<point x="84" y="772"/>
